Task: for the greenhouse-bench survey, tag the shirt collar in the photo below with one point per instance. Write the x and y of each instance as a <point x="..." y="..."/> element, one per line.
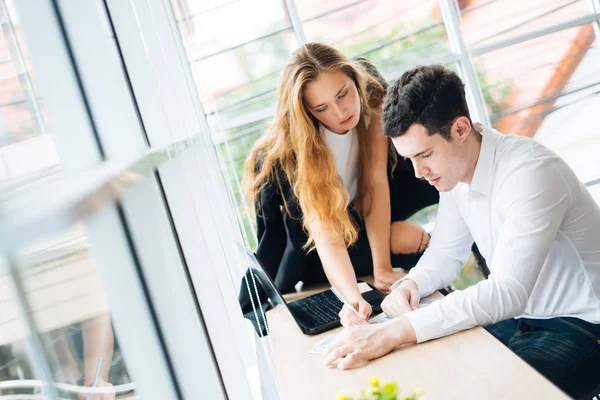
<point x="482" y="177"/>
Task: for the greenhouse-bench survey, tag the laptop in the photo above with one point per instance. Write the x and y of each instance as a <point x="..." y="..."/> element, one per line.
<point x="316" y="313"/>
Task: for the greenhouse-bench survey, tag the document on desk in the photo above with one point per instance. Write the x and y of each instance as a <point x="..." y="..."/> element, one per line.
<point x="320" y="346"/>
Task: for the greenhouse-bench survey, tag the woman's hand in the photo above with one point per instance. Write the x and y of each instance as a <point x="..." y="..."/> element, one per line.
<point x="386" y="278"/>
<point x="100" y="396"/>
<point x="348" y="317"/>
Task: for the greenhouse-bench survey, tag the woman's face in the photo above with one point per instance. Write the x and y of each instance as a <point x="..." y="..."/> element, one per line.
<point x="333" y="99"/>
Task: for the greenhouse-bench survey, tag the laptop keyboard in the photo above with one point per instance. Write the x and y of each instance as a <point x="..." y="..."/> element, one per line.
<point x="323" y="307"/>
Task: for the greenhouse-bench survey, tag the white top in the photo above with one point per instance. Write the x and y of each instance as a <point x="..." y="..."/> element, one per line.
<point x="538" y="228"/>
<point x="345" y="151"/>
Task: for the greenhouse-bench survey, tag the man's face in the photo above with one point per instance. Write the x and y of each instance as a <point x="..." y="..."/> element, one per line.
<point x="442" y="163"/>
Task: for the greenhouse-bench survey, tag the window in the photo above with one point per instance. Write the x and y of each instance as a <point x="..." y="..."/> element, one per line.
<point x="70" y="311"/>
<point x="100" y="236"/>
<point x="542" y="82"/>
<point x="27" y="151"/>
<point x="57" y="274"/>
<point x="393" y="35"/>
<point x="127" y="124"/>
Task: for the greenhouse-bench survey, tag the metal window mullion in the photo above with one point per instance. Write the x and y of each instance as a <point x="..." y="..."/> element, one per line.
<point x="222" y="204"/>
<point x="240" y="45"/>
<point x="446" y="59"/>
<point x="119" y="272"/>
<point x="200" y="118"/>
<point x="573" y="23"/>
<point x="18" y="59"/>
<point x="396" y="38"/>
<point x="594" y="6"/>
<point x="524" y="22"/>
<point x="83" y="100"/>
<point x="592" y="183"/>
<point x="119" y="280"/>
<point x="34" y="346"/>
<point x="478" y="6"/>
<point x="57" y="78"/>
<point x="88" y="196"/>
<point x="360" y="54"/>
<point x="545" y="100"/>
<point x="162" y="269"/>
<point x="152" y="51"/>
<point x="334" y="10"/>
<point x="451" y="18"/>
<point x="111" y="106"/>
<point x="231" y="214"/>
<point x="208" y="10"/>
<point x="219" y="199"/>
<point x="296" y="21"/>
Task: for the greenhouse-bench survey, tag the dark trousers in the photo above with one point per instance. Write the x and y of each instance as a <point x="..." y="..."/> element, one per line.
<point x="565" y="350"/>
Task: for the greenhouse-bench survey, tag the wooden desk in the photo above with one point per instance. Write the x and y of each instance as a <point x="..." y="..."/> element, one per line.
<point x="468" y="365"/>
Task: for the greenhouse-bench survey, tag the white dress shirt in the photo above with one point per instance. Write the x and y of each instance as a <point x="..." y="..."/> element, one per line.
<point x="536" y="225"/>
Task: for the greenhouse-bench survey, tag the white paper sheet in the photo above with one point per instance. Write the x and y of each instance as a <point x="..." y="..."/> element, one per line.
<point x="319" y="347"/>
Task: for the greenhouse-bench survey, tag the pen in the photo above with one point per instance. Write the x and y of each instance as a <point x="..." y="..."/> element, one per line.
<point x="343" y="300"/>
<point x="97" y="375"/>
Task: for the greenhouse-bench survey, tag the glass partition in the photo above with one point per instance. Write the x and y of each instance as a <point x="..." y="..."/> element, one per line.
<point x="66" y="304"/>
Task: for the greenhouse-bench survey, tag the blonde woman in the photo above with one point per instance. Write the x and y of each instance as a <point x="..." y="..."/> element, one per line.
<point x="320" y="181"/>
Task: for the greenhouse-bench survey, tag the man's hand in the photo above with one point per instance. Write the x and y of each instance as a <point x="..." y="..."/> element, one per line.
<point x="385" y="279"/>
<point x="356" y="345"/>
<point x="347" y="316"/>
<point x="403" y="299"/>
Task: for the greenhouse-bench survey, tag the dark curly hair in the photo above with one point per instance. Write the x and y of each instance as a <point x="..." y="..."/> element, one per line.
<point x="430" y="95"/>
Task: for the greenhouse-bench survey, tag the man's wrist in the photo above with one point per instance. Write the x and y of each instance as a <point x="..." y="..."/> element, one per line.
<point x="404" y="331"/>
<point x="407" y="281"/>
<point x="403" y="280"/>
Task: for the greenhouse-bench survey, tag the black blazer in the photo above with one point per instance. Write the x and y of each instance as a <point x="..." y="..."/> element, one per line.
<point x="281" y="236"/>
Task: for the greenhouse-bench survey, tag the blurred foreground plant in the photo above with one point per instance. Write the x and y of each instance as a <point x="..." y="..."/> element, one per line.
<point x="388" y="391"/>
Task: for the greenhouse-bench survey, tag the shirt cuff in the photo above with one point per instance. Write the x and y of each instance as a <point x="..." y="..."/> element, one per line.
<point x="419" y="277"/>
<point x="397" y="283"/>
<point x="426" y="322"/>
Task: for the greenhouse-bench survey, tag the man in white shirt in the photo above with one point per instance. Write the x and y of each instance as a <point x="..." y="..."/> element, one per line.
<point x="533" y="220"/>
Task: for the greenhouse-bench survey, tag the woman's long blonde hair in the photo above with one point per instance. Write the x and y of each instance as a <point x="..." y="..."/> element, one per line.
<point x="295" y="146"/>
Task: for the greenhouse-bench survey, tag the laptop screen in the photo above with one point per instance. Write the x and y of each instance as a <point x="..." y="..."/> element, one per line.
<point x="256" y="270"/>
